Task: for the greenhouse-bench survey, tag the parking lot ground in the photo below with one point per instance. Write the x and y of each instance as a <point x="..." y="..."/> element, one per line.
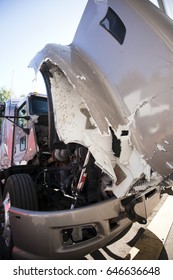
<point x="167" y="251"/>
<point x="153" y="241"/>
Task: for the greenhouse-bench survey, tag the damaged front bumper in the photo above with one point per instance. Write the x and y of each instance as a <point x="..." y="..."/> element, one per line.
<point x="74" y="233"/>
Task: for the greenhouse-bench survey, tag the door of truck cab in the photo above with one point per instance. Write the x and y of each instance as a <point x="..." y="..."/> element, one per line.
<point x="20" y="136"/>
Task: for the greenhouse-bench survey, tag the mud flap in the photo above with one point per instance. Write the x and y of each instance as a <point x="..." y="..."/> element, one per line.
<point x="137" y="205"/>
<point x="138" y="208"/>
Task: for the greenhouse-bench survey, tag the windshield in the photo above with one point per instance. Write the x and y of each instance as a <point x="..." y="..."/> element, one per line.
<point x="38" y="105"/>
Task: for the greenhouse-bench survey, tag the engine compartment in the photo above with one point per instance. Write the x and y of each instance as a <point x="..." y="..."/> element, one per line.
<point x="72" y="179"/>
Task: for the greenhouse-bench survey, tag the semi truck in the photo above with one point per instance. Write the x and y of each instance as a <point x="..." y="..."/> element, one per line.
<point x="90" y="158"/>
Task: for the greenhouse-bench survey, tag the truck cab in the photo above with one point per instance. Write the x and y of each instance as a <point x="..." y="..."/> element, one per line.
<point x="31" y="130"/>
<point x="24" y="130"/>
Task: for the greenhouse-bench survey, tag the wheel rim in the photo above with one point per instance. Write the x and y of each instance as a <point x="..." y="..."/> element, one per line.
<point x="6" y="225"/>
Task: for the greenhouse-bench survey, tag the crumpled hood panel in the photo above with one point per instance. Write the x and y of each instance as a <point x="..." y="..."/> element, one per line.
<point x="112" y="98"/>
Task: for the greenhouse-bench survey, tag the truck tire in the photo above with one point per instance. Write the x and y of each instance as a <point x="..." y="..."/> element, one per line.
<point x="19" y="192"/>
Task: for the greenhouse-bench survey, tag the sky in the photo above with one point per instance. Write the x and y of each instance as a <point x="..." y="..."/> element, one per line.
<point x="26" y="26"/>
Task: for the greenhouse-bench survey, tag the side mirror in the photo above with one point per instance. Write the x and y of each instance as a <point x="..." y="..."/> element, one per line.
<point x="2" y="109"/>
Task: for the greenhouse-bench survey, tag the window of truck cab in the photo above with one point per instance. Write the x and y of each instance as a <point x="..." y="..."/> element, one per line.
<point x="38" y="105"/>
<point x="21" y="114"/>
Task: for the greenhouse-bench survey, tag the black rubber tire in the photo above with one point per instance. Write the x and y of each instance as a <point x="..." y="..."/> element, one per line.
<point x="22" y="195"/>
<point x="22" y="192"/>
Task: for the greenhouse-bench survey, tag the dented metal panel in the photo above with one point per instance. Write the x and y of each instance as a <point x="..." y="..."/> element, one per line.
<point x="98" y="85"/>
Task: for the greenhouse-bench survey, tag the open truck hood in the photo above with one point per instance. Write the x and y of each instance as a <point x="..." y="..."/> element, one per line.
<point x="113" y="97"/>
